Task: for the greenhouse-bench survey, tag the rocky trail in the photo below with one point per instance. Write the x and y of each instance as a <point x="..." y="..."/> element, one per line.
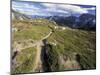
<point x="38" y="44"/>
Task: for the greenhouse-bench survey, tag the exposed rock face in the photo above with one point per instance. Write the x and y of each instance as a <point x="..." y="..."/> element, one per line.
<point x="69" y="63"/>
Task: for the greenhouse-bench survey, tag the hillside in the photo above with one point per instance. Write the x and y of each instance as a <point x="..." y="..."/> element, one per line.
<point x="40" y="45"/>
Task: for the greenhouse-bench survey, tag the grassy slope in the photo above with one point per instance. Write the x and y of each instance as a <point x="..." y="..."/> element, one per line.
<point x="25" y="59"/>
<point x="35" y="30"/>
<point x="67" y="41"/>
<point x="76" y="41"/>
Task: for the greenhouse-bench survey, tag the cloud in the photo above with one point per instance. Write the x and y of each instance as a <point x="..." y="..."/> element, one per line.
<point x="25" y="8"/>
<point x="65" y="8"/>
<point x="23" y="5"/>
<point x="49" y="9"/>
<point x="92" y="8"/>
<point x="68" y="9"/>
<point x="73" y="9"/>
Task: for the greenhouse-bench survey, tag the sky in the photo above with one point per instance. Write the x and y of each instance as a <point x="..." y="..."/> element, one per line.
<point x="51" y="9"/>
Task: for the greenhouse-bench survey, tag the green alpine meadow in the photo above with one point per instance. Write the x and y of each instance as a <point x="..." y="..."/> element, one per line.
<point x="47" y="37"/>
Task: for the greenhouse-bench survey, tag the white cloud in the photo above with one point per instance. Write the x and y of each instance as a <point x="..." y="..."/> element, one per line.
<point x="92" y="8"/>
<point x="50" y="5"/>
<point x="66" y="8"/>
<point x="23" y="5"/>
<point x="49" y="9"/>
<point x="73" y="9"/>
<point x="24" y="8"/>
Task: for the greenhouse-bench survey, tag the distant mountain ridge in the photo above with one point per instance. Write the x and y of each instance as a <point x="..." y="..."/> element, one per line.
<point x="84" y="21"/>
<point x="19" y="16"/>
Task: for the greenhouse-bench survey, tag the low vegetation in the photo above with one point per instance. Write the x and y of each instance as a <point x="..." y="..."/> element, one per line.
<point x="25" y="61"/>
<point x="81" y="42"/>
<point x="73" y="44"/>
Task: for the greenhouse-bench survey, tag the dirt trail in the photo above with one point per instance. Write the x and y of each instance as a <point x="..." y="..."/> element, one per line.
<point x="20" y="47"/>
<point x="38" y="56"/>
<point x="38" y="45"/>
<point x="47" y="35"/>
<point x="38" y="61"/>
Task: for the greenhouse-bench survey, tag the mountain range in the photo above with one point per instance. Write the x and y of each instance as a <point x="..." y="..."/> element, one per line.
<point x="84" y="21"/>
